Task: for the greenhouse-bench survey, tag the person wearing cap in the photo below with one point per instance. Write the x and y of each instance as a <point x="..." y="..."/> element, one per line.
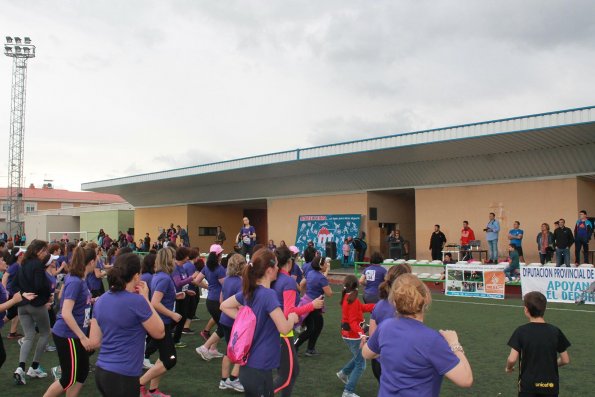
<point x="296" y="270"/>
<point x="214" y="273"/>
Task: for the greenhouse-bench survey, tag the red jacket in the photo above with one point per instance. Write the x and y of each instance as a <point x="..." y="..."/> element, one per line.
<point x="467" y="236"/>
<point x="353" y="314"/>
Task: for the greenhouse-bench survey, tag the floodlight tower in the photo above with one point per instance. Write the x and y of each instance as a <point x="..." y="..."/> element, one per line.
<point x="20" y="51"/>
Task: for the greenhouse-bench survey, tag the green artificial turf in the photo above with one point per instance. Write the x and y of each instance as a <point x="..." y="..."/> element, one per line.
<point x="484" y="327"/>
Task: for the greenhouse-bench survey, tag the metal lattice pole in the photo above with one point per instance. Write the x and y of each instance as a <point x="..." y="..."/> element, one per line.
<point x="20" y="52"/>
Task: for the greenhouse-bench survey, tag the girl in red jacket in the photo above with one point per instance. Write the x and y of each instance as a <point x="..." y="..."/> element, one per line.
<point x="352" y="321"/>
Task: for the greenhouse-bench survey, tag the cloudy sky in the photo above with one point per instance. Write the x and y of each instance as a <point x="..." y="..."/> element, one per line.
<point x="127" y="87"/>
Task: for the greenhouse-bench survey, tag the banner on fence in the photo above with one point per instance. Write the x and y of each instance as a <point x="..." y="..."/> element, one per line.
<point x="558" y="284"/>
<point x="477" y="281"/>
<point x="323" y="229"/>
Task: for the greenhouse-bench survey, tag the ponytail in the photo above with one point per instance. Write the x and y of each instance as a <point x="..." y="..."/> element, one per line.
<point x="350" y="285"/>
<point x="393" y="273"/>
<point x="261" y="261"/>
<point x="125" y="268"/>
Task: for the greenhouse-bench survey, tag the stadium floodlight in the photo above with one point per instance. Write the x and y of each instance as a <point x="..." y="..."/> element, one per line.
<point x="14" y="198"/>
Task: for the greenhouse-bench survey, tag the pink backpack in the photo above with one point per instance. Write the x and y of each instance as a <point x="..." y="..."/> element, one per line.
<point x="241" y="337"/>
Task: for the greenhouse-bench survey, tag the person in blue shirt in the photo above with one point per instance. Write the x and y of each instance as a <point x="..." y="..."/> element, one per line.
<point x="515" y="235"/>
<point x="582" y="234"/>
<point x="492" y="229"/>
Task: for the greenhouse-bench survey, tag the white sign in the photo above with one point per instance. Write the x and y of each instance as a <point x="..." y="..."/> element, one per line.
<point x="558" y="284"/>
<point x="478" y="281"/>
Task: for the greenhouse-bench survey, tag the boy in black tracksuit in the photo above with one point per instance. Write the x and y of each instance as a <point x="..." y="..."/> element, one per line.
<point x="540" y="349"/>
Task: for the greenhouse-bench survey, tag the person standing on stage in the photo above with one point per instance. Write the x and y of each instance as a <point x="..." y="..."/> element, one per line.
<point x="437" y="242"/>
<point x="492" y="229"/>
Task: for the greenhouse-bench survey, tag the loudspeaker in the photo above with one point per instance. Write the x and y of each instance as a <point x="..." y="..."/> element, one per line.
<point x="373" y="214"/>
<point x="395" y="251"/>
<point x="331" y="249"/>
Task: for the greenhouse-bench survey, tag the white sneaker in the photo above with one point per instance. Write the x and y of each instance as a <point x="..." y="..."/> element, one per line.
<point x="147" y="364"/>
<point x="57" y="372"/>
<point x="342" y="377"/>
<point x="234" y="384"/>
<point x="50" y="348"/>
<point x="204" y="353"/>
<point x="215" y="353"/>
<point x="348" y="394"/>
<point x="222" y="385"/>
<point x="36" y="373"/>
<point x="19" y="376"/>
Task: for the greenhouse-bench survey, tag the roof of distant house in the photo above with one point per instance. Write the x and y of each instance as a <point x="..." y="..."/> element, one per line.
<point x="50" y="194"/>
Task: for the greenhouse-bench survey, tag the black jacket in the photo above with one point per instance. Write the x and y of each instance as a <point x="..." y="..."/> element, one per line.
<point x="32" y="278"/>
<point x="563" y="237"/>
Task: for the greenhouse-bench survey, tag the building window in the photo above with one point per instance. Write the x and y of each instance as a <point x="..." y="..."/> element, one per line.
<point x="5" y="207"/>
<point x="30" y="207"/>
<point x="207" y="231"/>
<point x="65" y="206"/>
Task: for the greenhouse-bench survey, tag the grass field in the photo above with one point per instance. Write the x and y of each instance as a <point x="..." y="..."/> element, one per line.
<point x="484" y="327"/>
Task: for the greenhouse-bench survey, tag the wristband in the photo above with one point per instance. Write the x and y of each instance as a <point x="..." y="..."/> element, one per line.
<point x="456" y="347"/>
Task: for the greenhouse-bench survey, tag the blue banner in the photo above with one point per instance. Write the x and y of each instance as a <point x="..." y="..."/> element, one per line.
<point x="322" y="229"/>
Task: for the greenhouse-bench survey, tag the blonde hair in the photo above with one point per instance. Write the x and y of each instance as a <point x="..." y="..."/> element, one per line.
<point x="235" y="265"/>
<point x="410" y="295"/>
<point x="164" y="261"/>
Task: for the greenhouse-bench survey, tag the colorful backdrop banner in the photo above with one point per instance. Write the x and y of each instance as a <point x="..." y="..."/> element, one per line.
<point x="321" y="229"/>
<point x="478" y="281"/>
<point x="558" y="284"/>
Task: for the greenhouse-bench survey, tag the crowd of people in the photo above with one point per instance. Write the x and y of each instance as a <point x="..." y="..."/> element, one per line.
<point x="145" y="307"/>
<point x="551" y="245"/>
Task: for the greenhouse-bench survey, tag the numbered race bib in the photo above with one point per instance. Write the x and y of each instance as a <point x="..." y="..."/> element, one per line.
<point x="185" y="288"/>
<point x="246" y="240"/>
<point x="87" y="318"/>
<point x="370" y="275"/>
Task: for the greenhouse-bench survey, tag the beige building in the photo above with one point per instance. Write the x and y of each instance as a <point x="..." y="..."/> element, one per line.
<point x="533" y="169"/>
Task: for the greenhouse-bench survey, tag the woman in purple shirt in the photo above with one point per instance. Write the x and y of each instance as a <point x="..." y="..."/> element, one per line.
<point x="385" y="308"/>
<point x="72" y="325"/>
<point x="121" y="319"/>
<point x="257" y="375"/>
<point x="415" y="366"/>
<point x="316" y="285"/>
<point x="214" y="273"/>
<point x="372" y="276"/>
<point x="182" y="281"/>
<point x="231" y="286"/>
<point x="163" y="300"/>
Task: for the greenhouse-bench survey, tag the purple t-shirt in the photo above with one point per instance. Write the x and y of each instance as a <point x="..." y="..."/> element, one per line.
<point x="306" y="267"/>
<point x="315" y="282"/>
<point x="414" y="358"/>
<point x="93" y="282"/>
<point x="265" y="350"/>
<point x="374" y="277"/>
<point x="297" y="271"/>
<point x="12" y="272"/>
<point x="231" y="286"/>
<point x="163" y="283"/>
<point x="3" y="299"/>
<point x="213" y="280"/>
<point x="120" y="316"/>
<point x="147" y="278"/>
<point x="285" y="283"/>
<point x="246" y="232"/>
<point x="181" y="278"/>
<point x="383" y="310"/>
<point x="190" y="269"/>
<point x="74" y="289"/>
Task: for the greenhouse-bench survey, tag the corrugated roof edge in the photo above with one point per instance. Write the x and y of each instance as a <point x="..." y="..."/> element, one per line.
<point x="89" y="185"/>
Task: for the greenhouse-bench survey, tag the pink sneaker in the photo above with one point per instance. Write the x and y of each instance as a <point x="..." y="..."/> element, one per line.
<point x="144" y="392"/>
<point x="158" y="393"/>
<point x="215" y="353"/>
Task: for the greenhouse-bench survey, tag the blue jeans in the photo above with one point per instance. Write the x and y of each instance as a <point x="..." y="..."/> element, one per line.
<point x="356" y="366"/>
<point x="510" y="272"/>
<point x="562" y="253"/>
<point x="493" y="247"/>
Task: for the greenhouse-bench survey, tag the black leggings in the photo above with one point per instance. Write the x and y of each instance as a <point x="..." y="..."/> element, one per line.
<point x="193" y="305"/>
<point x="182" y="306"/>
<point x="376" y="369"/>
<point x="74" y="360"/>
<point x="2" y="352"/>
<point x="314" y="323"/>
<point x="111" y="384"/>
<point x="257" y="382"/>
<point x="167" y="350"/>
<point x="288" y="368"/>
<point x="215" y="312"/>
